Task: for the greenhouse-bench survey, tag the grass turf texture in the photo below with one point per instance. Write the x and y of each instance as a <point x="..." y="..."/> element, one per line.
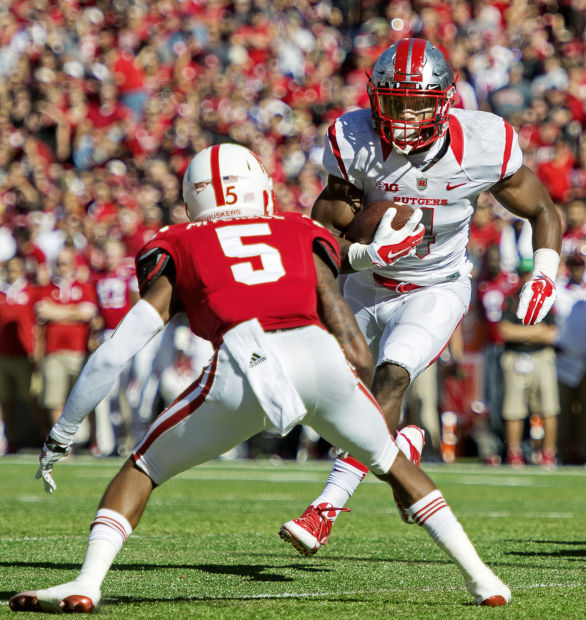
<point x="208" y="544"/>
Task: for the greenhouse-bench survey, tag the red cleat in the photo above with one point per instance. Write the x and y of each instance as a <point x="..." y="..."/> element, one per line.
<point x="76" y="604"/>
<point x="312" y="529"/>
<point x="25" y="601"/>
<point x="494" y="601"/>
<point x="73" y="604"/>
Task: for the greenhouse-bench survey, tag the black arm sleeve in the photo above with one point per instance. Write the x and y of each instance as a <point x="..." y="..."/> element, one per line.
<point x="328" y="254"/>
<point x="152" y="265"/>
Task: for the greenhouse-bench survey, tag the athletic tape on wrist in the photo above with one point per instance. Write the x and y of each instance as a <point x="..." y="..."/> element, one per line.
<point x="547" y="262"/>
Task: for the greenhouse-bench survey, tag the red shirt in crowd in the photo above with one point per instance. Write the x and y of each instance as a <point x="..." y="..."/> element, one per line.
<point x="70" y="335"/>
<point x="115" y="294"/>
<point x="17" y="318"/>
<point x="491" y="299"/>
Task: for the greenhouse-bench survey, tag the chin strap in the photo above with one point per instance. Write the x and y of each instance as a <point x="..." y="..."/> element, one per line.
<point x="401" y="151"/>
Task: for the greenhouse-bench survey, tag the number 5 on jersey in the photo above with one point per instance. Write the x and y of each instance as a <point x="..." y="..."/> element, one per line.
<point x="230" y="238"/>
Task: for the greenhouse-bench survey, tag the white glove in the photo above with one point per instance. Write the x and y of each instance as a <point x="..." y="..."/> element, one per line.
<point x="538" y="295"/>
<point x="50" y="454"/>
<point x="388" y="244"/>
<point x="536" y="299"/>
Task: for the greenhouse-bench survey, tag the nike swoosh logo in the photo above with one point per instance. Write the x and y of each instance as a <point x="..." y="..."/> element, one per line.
<point x="450" y="187"/>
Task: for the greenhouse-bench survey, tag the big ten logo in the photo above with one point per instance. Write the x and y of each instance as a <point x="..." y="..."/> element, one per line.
<point x="383" y="186"/>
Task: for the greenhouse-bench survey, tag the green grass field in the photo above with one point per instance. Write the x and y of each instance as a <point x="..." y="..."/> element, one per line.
<point x="208" y="544"/>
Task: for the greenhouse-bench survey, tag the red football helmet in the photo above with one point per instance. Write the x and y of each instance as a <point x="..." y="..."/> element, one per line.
<point x="411" y="90"/>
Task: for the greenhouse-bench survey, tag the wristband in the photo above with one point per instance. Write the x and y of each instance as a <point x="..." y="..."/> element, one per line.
<point x="56" y="447"/>
<point x="547" y="262"/>
<point x="358" y="257"/>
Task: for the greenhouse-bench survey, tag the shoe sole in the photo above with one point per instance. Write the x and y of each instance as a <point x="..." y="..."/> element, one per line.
<point x="288" y="537"/>
<point x="73" y="604"/>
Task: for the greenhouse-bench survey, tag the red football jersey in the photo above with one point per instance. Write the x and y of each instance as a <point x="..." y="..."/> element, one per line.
<point x="231" y="270"/>
<point x="114" y="290"/>
<point x="17" y="319"/>
<point x="491" y="296"/>
<point x="67" y="336"/>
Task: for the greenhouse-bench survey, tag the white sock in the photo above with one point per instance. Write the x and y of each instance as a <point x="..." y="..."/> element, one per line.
<point x="437" y="519"/>
<point x="108" y="533"/>
<point x="347" y="473"/>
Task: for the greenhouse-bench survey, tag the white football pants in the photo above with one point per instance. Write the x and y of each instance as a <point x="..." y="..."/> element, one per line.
<point x="219" y="410"/>
<point x="407" y="329"/>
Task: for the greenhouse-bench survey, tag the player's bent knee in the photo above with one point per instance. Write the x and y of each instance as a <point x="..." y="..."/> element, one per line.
<point x="390" y="378"/>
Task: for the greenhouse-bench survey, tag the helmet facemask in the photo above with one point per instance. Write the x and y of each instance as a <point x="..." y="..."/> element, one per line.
<point x="411" y="90"/>
<point x="410" y="119"/>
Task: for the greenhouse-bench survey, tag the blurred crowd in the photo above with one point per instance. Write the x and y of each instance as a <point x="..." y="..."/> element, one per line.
<point x="103" y="104"/>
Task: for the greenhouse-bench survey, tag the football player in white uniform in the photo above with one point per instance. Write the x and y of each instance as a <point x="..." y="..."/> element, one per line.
<point x="412" y="147"/>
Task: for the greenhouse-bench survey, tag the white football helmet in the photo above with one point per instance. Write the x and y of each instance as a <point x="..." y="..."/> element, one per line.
<point x="227" y="180"/>
<point x="411" y="90"/>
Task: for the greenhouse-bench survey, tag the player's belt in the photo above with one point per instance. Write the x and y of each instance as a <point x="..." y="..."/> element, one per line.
<point x="395" y="285"/>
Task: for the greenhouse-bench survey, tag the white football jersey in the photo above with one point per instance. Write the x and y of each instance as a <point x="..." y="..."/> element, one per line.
<point x="483" y="149"/>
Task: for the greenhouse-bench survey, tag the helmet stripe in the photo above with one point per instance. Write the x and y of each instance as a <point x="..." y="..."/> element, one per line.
<point x="216" y="178"/>
<point x="401" y="60"/>
<point x="409" y="60"/>
<point x="417" y="59"/>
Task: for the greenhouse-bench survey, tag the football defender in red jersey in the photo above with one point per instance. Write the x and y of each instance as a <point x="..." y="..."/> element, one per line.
<point x="262" y="288"/>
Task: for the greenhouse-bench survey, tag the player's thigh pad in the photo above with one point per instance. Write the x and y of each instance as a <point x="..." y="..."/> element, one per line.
<point x="339" y="407"/>
<point x="419" y="328"/>
<point x="216" y="413"/>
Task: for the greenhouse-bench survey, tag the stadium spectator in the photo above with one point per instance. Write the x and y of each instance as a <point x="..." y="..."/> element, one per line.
<point x="64" y="309"/>
<point x="571" y="368"/>
<point x="485" y="231"/>
<point x="117" y="291"/>
<point x="555" y="174"/>
<point x="572" y="286"/>
<point x="529" y="380"/>
<point x="17" y="352"/>
<point x="33" y="257"/>
<point x="574" y="235"/>
<point x="494" y="287"/>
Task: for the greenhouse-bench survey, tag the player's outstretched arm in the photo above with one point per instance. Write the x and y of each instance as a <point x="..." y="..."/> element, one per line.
<point x="142" y="322"/>
<point x="339" y="319"/>
<point x="335" y="208"/>
<point x="523" y="195"/>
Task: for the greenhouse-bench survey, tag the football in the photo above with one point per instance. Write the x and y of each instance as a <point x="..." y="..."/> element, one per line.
<point x="362" y="228"/>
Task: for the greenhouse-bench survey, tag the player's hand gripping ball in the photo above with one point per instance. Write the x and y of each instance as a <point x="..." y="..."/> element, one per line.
<point x="386" y="231"/>
<point x="362" y="228"/>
